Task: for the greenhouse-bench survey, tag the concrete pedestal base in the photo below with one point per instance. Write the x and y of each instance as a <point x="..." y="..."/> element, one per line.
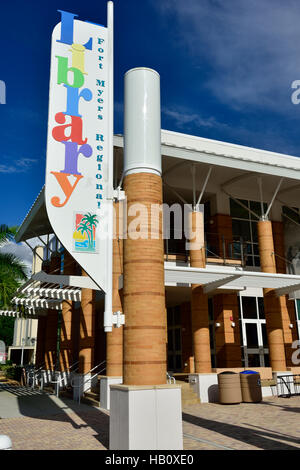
<point x="285" y="386"/>
<point x="145" y="417"/>
<point x="82" y="383"/>
<point x="206" y="387"/>
<point x="105" y="383"/>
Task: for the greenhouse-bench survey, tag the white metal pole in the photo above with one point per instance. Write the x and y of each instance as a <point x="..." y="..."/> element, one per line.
<point x="110" y="154"/>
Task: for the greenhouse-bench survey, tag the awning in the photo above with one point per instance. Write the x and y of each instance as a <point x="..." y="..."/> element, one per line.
<point x="237" y="279"/>
<point x="36" y="296"/>
<point x="9" y="313"/>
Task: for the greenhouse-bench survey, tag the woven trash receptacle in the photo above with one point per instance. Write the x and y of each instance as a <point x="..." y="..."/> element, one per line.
<point x="251" y="386"/>
<point x="229" y="388"/>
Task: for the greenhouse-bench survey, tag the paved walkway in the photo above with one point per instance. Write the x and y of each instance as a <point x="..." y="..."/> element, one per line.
<point x="36" y="421"/>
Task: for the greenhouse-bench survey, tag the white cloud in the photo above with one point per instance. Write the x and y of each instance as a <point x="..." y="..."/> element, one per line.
<point x="186" y="119"/>
<point x="252" y="47"/>
<point x="21" y="165"/>
<point x="22" y="251"/>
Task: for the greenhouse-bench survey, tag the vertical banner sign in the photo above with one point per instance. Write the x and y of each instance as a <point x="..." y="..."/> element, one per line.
<point x="78" y="184"/>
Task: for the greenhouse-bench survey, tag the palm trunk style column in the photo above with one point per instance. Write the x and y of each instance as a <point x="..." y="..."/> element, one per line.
<point x="271" y="302"/>
<point x="199" y="300"/>
<point x="87" y="330"/>
<point x="66" y="356"/>
<point x="144" y="364"/>
<point x="114" y="339"/>
<point x="144" y="290"/>
<point x="51" y="335"/>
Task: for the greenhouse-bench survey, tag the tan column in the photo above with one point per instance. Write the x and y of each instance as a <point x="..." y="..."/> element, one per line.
<point x="40" y="342"/>
<point x="87" y="330"/>
<point x="227" y="337"/>
<point x="66" y="358"/>
<point x="52" y="322"/>
<point x="114" y="339"/>
<point x="144" y="290"/>
<point x="199" y="300"/>
<point x="272" y="303"/>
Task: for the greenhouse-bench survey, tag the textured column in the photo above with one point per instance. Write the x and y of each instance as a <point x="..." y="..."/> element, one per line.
<point x="227" y="337"/>
<point x="87" y="330"/>
<point x="66" y="356"/>
<point x="51" y="336"/>
<point x="220" y="236"/>
<point x="40" y="342"/>
<point x="288" y="312"/>
<point x="186" y="335"/>
<point x="199" y="301"/>
<point x="144" y="290"/>
<point x="272" y="304"/>
<point x="114" y="339"/>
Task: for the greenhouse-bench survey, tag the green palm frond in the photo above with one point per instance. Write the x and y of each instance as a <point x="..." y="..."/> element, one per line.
<point x="11" y="265"/>
<point x="7" y="234"/>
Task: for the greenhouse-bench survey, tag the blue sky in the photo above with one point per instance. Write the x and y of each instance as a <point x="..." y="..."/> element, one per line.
<point x="226" y="71"/>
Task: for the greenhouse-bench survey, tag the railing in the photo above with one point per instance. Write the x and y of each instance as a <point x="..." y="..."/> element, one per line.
<point x="217" y="247"/>
<point x="89" y="379"/>
<point x="33" y="375"/>
<point x="288" y="385"/>
<point x="61" y="378"/>
<point x="170" y="379"/>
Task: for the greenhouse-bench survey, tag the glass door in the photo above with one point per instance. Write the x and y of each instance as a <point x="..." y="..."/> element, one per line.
<point x="174" y="339"/>
<point x="254" y="334"/>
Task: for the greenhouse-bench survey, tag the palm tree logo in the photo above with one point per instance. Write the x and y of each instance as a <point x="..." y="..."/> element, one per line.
<point x="88" y="225"/>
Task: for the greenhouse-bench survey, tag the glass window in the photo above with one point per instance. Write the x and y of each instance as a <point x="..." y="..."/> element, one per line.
<point x="261" y="308"/>
<point x="264" y="335"/>
<point x="178" y="362"/>
<point x="247" y="228"/>
<point x="267" y="360"/>
<point x="249" y="307"/>
<point x="251" y="334"/>
<point x="253" y="360"/>
<point x="177" y="339"/>
<point x="238" y="211"/>
<point x="210" y="309"/>
<point x="291" y="213"/>
<point x="170" y="340"/>
<point x="256" y="261"/>
<point x="298" y="309"/>
<point x="177" y="315"/>
<point x="170" y="316"/>
<point x="256" y="207"/>
<point x="254" y="232"/>
<point x="211" y="336"/>
<point x="241" y="228"/>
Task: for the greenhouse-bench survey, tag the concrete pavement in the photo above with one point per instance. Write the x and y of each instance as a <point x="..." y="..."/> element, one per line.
<point x="36" y="421"/>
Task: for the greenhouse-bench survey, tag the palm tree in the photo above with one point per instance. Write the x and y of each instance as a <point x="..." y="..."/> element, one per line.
<point x="88" y="223"/>
<point x="12" y="269"/>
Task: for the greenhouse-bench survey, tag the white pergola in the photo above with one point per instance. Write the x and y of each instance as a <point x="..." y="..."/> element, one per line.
<point x="236" y="279"/>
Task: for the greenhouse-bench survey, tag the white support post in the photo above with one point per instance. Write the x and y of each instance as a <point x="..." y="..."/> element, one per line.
<point x="108" y="295"/>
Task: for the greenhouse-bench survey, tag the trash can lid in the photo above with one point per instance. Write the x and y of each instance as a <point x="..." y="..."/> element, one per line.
<point x="249" y="372"/>
<point x="227" y="372"/>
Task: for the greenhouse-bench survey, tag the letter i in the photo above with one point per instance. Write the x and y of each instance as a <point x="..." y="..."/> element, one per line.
<point x="78" y="57"/>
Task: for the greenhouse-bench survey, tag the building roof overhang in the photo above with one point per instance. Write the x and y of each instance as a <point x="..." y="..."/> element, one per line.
<point x="230" y="163"/>
<point x="236" y="279"/>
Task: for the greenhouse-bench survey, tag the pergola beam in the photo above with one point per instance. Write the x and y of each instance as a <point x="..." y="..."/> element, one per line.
<point x="211" y="286"/>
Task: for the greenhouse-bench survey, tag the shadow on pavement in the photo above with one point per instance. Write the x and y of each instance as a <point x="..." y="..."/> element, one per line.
<point x="260" y="439"/>
<point x="42" y="405"/>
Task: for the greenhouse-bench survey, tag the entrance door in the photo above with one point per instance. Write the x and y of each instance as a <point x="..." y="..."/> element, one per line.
<point x="174" y="339"/>
<point x="254" y="334"/>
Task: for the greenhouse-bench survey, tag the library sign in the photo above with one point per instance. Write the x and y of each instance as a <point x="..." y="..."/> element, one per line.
<point x="78" y="142"/>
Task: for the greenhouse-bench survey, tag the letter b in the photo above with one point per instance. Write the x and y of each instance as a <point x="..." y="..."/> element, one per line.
<point x="62" y="73"/>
